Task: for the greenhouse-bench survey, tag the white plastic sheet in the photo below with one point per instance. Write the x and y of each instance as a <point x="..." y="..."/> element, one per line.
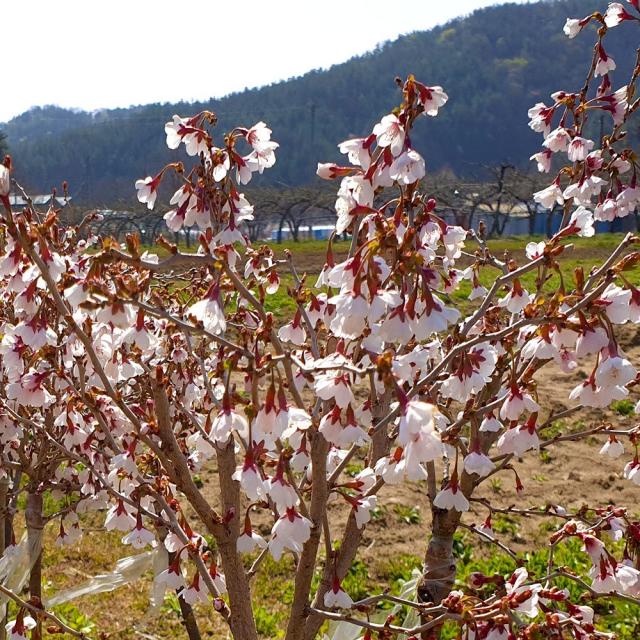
<point x="16" y="564"/>
<point x="348" y="631"/>
<point x="127" y="570"/>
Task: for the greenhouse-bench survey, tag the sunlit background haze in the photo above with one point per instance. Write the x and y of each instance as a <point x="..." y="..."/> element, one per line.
<point x="96" y="54"/>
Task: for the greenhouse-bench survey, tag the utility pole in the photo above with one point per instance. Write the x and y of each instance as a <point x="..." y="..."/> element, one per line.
<point x="312" y="110"/>
<point x="601" y="126"/>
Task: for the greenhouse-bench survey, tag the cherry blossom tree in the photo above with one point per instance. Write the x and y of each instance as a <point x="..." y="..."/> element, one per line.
<point x="127" y="371"/>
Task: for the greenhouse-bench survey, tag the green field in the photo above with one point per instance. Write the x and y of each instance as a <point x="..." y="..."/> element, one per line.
<point x="585" y="253"/>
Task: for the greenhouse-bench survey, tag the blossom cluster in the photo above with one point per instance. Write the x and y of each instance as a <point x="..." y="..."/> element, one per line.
<point x="126" y="372"/>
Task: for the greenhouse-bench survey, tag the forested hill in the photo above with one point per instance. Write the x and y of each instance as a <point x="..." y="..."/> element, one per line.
<point x="494" y="64"/>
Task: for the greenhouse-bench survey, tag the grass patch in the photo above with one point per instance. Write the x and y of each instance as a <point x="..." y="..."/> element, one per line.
<point x="280" y="303"/>
<point x="624" y="407"/>
<point x="273" y="588"/>
<point x="309" y="257"/>
<point x="503" y="524"/>
<point x="407" y="514"/>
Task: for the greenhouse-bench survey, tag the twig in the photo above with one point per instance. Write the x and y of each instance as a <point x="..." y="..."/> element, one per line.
<point x="42" y="612"/>
<point x="486" y="536"/>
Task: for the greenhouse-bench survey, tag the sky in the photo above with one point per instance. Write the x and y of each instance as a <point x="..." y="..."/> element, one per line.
<point x="94" y="54"/>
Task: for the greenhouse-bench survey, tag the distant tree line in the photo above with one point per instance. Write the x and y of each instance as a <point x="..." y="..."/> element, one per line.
<point x="497" y="201"/>
<point x="494" y="64"/>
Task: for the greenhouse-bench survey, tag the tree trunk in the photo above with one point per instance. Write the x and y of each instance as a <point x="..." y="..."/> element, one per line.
<point x="4" y="518"/>
<point x="35" y="525"/>
<point x="186" y="610"/>
<point x="439" y="564"/>
<point x="242" y="622"/>
<point x="439" y="571"/>
<point x="293" y="229"/>
<point x="189" y="619"/>
<point x="309" y="555"/>
<point x="380" y="446"/>
<point x="494" y="226"/>
<point x="532" y="222"/>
